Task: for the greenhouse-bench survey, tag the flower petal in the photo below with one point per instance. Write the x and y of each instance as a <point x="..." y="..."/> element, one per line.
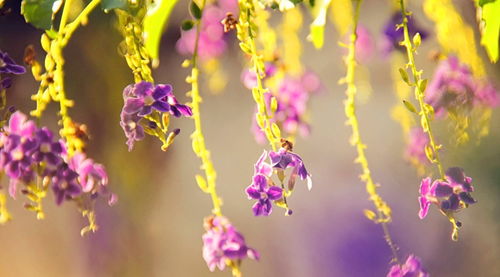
<point x="274" y="193"/>
<point x="133" y="105"/>
<point x="252" y="192"/>
<point x="161" y="106"/>
<point x="161" y="91"/>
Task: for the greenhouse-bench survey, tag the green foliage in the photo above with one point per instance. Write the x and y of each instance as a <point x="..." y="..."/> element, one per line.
<point x="187" y="25"/>
<point x="153" y="26"/>
<point x="491" y="17"/>
<point x="108" y="5"/>
<point x="40" y="12"/>
<point x="195" y="10"/>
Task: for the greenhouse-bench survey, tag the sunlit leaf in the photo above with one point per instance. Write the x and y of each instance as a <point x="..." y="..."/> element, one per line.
<point x="490" y="34"/>
<point x="40" y="12"/>
<point x="108" y="5"/>
<point x="154" y="23"/>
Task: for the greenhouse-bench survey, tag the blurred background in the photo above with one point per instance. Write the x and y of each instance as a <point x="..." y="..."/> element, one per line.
<point x="156" y="227"/>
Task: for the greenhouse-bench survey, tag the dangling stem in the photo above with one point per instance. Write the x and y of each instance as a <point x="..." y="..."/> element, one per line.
<point x="425" y="111"/>
<point x="383" y="210"/>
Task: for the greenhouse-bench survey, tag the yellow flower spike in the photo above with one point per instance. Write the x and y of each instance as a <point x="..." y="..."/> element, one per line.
<point x="341" y="15"/>
<point x="383" y="211"/>
<point x="4" y="213"/>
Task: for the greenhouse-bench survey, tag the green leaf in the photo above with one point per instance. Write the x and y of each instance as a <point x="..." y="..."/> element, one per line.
<point x="489" y="37"/>
<point x="40" y="12"/>
<point x="410" y="106"/>
<point x="195" y="10"/>
<point x="404" y="75"/>
<point x="108" y="5"/>
<point x="187" y="25"/>
<point x="484" y="2"/>
<point x="153" y="26"/>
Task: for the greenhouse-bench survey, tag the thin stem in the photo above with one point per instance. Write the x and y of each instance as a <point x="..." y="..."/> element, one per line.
<point x="198" y="138"/>
<point x="383" y="211"/>
<point x="420" y="91"/>
<point x="82" y="17"/>
<point x="65" y="14"/>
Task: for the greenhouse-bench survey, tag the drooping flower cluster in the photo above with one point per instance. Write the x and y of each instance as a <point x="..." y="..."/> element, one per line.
<point x="142" y="100"/>
<point x="454" y="88"/>
<point x="264" y="190"/>
<point x="411" y="268"/>
<point x="223" y="245"/>
<point x="212" y="41"/>
<point x="393" y="35"/>
<point x="450" y="195"/>
<point x="292" y="95"/>
<point x="29" y="153"/>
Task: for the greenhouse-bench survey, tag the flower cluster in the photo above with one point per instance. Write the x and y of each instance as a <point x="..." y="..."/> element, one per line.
<point x="454" y="87"/>
<point x="450" y="195"/>
<point x="264" y="190"/>
<point x="393" y="34"/>
<point x="144" y="100"/>
<point x="29" y="153"/>
<point x="212" y="40"/>
<point x="8" y="66"/>
<point x="223" y="244"/>
<point x="292" y="96"/>
<point x="411" y="268"/>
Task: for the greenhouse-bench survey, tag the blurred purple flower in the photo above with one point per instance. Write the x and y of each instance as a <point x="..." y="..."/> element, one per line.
<point x="417" y="142"/>
<point x="454" y="87"/>
<point x="65" y="184"/>
<point x="450" y="195"/>
<point x="364" y="44"/>
<point x="5" y="83"/>
<point x="261" y="191"/>
<point x="393" y="35"/>
<point x="7" y="65"/>
<point x="411" y="268"/>
<point x="132" y="128"/>
<point x="223" y="243"/>
<point x="212" y="40"/>
<point x="48" y="150"/>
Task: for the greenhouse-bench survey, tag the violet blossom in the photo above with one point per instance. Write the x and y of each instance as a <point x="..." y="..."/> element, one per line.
<point x="394" y="35"/>
<point x="7" y="65"/>
<point x="212" y="40"/>
<point x="28" y="152"/>
<point x="454" y="87"/>
<point x="411" y="268"/>
<point x="222" y="243"/>
<point x="140" y="100"/>
<point x="264" y="193"/>
<point x="417" y="142"/>
<point x="283" y="159"/>
<point x="450" y="195"/>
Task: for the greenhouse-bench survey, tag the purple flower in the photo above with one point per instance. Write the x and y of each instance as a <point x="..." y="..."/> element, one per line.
<point x="411" y="268"/>
<point x="415" y="149"/>
<point x="364" y="44"/>
<point x="133" y="130"/>
<point x="212" y="40"/>
<point x="140" y="101"/>
<point x="450" y="195"/>
<point x="283" y="159"/>
<point x="142" y="98"/>
<point x="48" y="151"/>
<point x="5" y="83"/>
<point x="7" y="65"/>
<point x="223" y="243"/>
<point x="92" y="177"/>
<point x="393" y="35"/>
<point x="65" y="184"/>
<point x="261" y="191"/>
<point x="454" y="87"/>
